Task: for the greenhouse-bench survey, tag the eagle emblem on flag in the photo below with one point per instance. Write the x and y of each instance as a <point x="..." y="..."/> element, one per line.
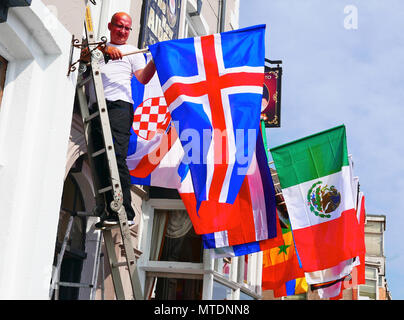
<point x="323" y="200"/>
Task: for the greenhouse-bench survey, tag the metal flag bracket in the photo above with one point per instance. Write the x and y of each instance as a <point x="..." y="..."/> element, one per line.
<point x="75" y="43"/>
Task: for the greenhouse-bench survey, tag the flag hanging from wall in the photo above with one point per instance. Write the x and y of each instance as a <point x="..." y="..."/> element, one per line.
<point x="213" y="88"/>
<point x="292" y="287"/>
<point x="155" y="152"/>
<point x="358" y="273"/>
<point x="247" y="248"/>
<point x="314" y="174"/>
<point x="332" y="281"/>
<point x="253" y="211"/>
<point x="280" y="263"/>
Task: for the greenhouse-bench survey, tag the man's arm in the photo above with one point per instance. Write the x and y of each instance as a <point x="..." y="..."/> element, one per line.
<point x="144" y="75"/>
<point x="114" y="53"/>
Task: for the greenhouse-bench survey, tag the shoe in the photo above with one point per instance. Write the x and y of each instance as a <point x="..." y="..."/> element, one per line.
<point x="107" y="221"/>
<point x="110" y="222"/>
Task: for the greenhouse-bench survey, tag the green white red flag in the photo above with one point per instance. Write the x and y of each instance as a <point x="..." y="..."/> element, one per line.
<point x="315" y="177"/>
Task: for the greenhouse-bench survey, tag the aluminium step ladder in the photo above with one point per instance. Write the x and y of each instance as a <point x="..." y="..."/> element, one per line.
<point x="99" y="261"/>
<point x="94" y="75"/>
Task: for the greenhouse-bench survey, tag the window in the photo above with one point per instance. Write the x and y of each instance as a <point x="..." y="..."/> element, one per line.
<point x="3" y="69"/>
<point x="176" y="266"/>
<point x="236" y="278"/>
<point x="174" y="243"/>
<point x="195" y="24"/>
<point x="244" y="296"/>
<point x="174" y="238"/>
<point x="221" y="292"/>
<point x="189" y="28"/>
<point x="368" y="291"/>
<point x="374" y="238"/>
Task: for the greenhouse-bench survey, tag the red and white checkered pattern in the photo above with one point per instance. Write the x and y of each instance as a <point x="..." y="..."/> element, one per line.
<point x="150" y="116"/>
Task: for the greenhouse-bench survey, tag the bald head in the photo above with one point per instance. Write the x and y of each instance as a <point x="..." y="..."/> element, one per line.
<point x="120" y="27"/>
<point x="119" y="15"/>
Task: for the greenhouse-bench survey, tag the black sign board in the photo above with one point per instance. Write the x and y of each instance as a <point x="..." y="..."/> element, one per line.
<point x="271" y="97"/>
<point x="160" y="21"/>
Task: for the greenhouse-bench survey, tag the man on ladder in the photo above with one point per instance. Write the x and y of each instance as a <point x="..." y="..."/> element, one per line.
<point x="116" y="78"/>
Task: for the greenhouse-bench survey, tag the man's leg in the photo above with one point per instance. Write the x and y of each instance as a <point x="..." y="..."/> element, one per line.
<point x="100" y="163"/>
<point x="121" y="119"/>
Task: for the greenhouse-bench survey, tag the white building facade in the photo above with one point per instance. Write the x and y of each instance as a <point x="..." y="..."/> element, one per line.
<point x="44" y="173"/>
<point x="35" y="118"/>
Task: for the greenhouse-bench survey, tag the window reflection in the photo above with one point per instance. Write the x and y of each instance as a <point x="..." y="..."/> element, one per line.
<point x="221" y="292"/>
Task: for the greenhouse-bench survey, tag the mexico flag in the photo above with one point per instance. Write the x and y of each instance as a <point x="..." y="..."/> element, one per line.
<point x="315" y="177"/>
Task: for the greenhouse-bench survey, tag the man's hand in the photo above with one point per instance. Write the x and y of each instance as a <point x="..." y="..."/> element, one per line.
<point x="85" y="55"/>
<point x="110" y="53"/>
<point x="113" y="53"/>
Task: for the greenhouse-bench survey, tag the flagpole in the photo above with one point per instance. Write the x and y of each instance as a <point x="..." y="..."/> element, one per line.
<point x="107" y="56"/>
<point x="135" y="52"/>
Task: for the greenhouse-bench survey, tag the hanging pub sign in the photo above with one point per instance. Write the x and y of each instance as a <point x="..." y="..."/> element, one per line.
<point x="160" y="21"/>
<point x="271" y="97"/>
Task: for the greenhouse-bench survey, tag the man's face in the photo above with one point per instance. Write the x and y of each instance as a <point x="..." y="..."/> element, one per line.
<point x="119" y="29"/>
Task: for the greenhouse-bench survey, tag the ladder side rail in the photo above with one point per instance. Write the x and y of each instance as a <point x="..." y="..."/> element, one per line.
<point x="88" y="134"/>
<point x="130" y="256"/>
<point x="96" y="268"/>
<point x="102" y="276"/>
<point x="116" y="276"/>
<point x="56" y="271"/>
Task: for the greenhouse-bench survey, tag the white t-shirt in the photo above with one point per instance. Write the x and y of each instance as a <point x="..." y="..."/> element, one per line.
<point x="116" y="74"/>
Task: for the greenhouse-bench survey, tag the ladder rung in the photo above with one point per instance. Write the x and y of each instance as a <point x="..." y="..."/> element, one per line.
<point x="92" y="116"/>
<point x="78" y="213"/>
<point x="97" y="153"/>
<point x="76" y="285"/>
<point x="105" y="189"/>
<point x="85" y="213"/>
<point x="121" y="264"/>
<point x="114" y="226"/>
<point x="84" y="81"/>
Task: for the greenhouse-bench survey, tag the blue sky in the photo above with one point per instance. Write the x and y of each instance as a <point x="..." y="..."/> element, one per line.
<point x="333" y="75"/>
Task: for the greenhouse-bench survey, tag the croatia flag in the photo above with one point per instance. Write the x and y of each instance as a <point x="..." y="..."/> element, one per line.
<point x="155" y="152"/>
<point x="213" y="88"/>
<point x="315" y="177"/>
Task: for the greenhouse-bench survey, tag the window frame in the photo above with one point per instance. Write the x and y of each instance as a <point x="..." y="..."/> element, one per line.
<point x="208" y="271"/>
<point x="370" y="280"/>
